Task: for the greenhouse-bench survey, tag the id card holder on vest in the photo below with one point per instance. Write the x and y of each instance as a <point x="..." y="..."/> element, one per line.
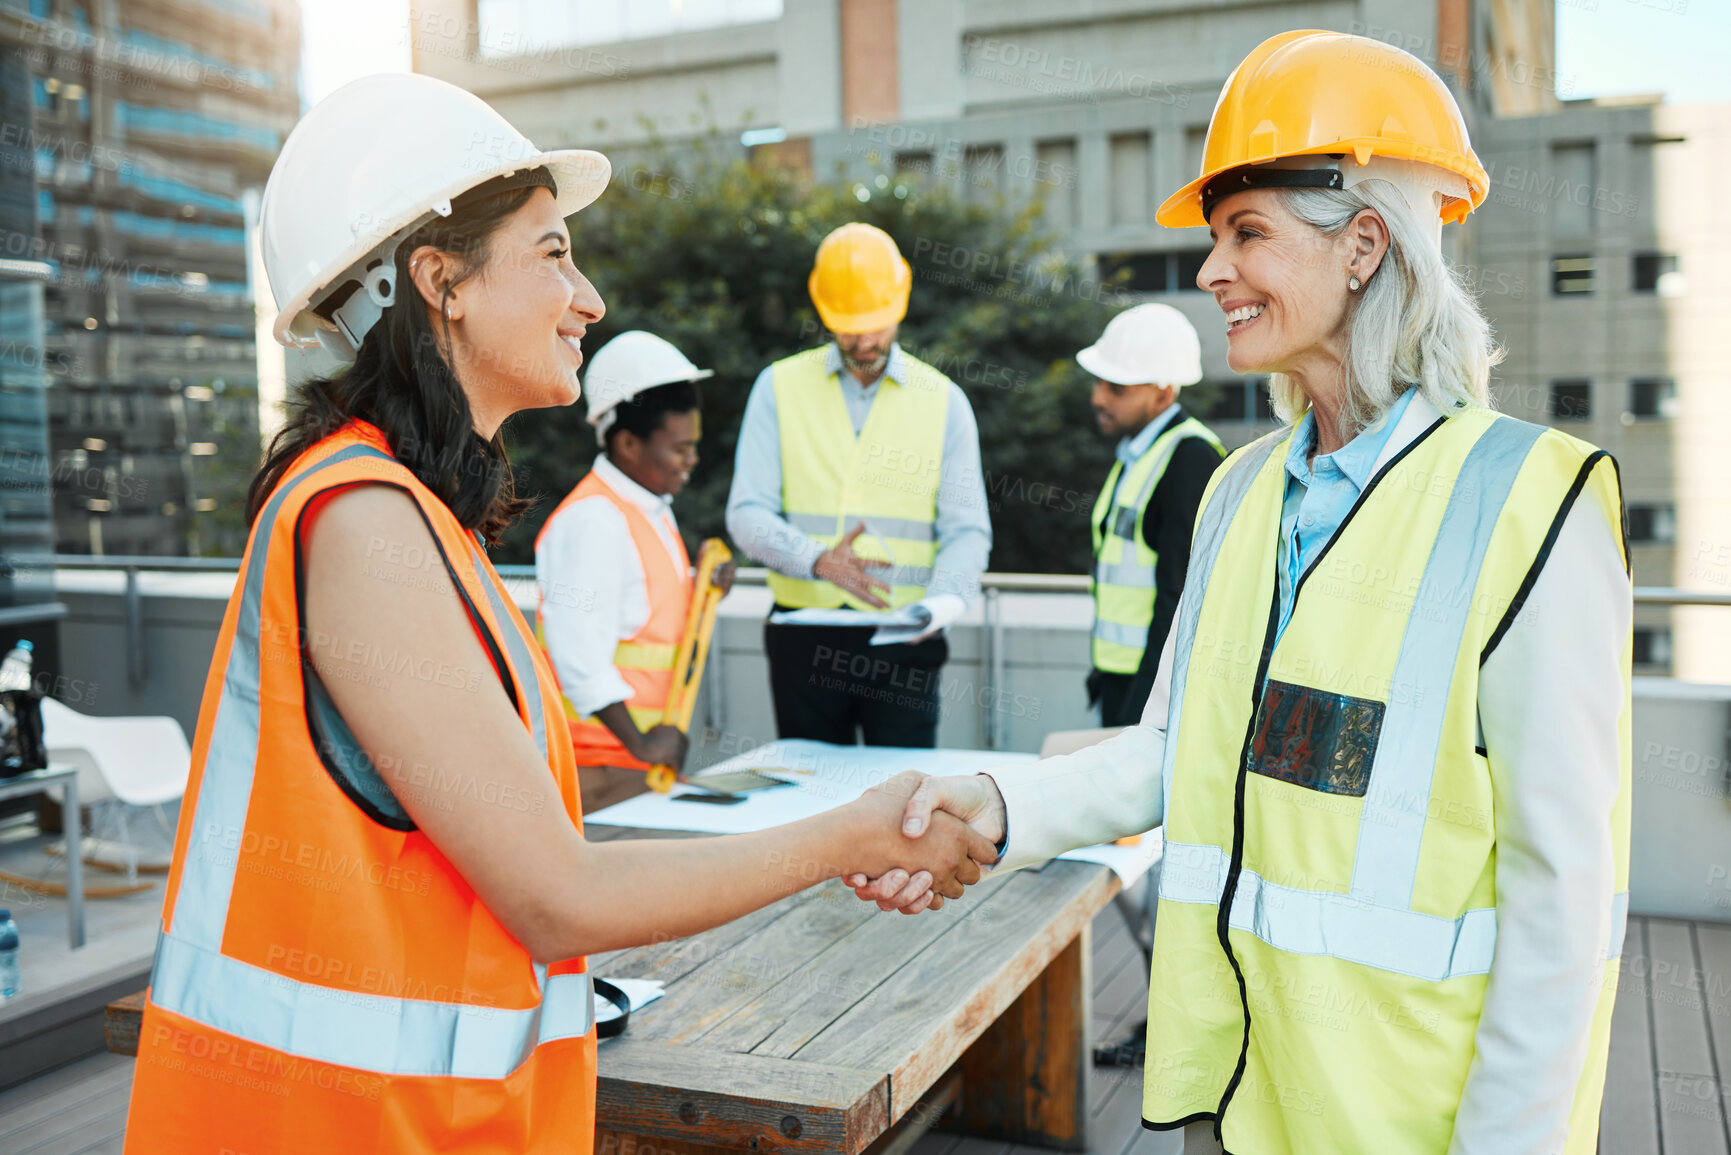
<point x="1124" y="523"/>
<point x="1316" y="740"/>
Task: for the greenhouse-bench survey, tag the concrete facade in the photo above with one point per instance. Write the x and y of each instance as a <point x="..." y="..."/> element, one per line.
<point x="1100" y="108"/>
<point x="149" y="122"/>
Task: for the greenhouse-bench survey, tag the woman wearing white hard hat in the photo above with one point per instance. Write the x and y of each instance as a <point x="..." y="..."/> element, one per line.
<point x="1389" y="745"/>
<point x="381" y="897"/>
<point x="1146" y="509"/>
<point x="614" y="576"/>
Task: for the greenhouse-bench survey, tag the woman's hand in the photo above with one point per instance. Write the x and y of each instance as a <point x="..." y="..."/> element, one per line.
<point x="971" y="798"/>
<point x="722" y="578"/>
<point x="944" y="851"/>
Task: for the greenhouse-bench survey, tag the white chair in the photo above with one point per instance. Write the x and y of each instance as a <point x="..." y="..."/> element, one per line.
<point x="122" y="763"/>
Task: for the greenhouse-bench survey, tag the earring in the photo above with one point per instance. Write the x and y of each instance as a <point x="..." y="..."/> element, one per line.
<point x="1353" y="284"/>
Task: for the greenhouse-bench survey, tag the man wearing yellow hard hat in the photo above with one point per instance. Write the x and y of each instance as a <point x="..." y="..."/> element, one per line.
<point x="1142" y="520"/>
<point x="1388" y="745"/>
<point x="858" y="484"/>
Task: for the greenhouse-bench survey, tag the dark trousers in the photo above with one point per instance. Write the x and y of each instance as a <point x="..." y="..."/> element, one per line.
<point x="1121" y="697"/>
<point x="833" y="685"/>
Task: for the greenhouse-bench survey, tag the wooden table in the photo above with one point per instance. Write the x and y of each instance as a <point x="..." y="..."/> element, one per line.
<point x="821" y="1024"/>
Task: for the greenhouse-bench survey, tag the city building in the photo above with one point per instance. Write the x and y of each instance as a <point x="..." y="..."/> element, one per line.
<point x="1597" y="255"/>
<point x="148" y="123"/>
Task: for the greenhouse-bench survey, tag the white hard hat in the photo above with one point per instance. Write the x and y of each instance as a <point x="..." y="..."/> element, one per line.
<point x="368" y="165"/>
<point x="632" y="363"/>
<point x="1146" y="345"/>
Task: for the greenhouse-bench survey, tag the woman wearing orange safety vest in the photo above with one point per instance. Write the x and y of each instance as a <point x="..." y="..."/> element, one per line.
<point x="374" y="931"/>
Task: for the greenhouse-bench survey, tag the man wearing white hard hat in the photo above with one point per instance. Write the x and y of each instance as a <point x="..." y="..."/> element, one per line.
<point x="1143" y="518"/>
<point x="614" y="575"/>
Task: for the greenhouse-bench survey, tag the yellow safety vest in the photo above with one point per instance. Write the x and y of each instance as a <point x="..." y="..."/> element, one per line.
<point x="1327" y="788"/>
<point x="1123" y="577"/>
<point x="887" y="476"/>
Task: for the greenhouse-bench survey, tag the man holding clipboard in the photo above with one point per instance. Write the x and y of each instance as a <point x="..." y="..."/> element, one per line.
<point x="858" y="484"/>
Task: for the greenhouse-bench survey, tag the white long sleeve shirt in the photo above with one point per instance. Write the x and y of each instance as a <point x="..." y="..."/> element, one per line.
<point x="1550" y="696"/>
<point x="593" y="591"/>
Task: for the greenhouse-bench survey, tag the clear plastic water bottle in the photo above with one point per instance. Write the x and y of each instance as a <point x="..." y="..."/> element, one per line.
<point x="8" y="956"/>
<point x="15" y="670"/>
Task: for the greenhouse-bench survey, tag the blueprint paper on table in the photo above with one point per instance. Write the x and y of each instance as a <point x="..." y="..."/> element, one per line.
<point x="825" y="776"/>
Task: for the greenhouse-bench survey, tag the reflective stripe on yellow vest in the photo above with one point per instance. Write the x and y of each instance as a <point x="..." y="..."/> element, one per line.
<point x="644" y="660"/>
<point x="1123" y="577"/>
<point x="324" y="976"/>
<point x="1325" y="788"/>
<point x="886" y="477"/>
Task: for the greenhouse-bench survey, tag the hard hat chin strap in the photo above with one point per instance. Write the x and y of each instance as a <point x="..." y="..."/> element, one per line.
<point x="1424" y="187"/>
<point x="364" y="307"/>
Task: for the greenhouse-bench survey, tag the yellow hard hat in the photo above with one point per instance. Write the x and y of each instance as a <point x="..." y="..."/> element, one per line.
<point x="1326" y="95"/>
<point x="859" y="282"/>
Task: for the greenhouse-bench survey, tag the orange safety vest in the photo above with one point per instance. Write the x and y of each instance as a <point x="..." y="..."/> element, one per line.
<point x="325" y="980"/>
<point x="645" y="660"/>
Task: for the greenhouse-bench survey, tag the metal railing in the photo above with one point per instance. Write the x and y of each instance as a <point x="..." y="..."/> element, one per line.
<point x="992" y="585"/>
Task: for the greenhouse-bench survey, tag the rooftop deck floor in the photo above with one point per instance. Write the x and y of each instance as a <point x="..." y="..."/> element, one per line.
<point x="1666" y="1092"/>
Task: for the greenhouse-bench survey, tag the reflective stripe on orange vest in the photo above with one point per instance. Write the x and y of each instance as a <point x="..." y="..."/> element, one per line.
<point x="325" y="978"/>
<point x="644" y="660"/>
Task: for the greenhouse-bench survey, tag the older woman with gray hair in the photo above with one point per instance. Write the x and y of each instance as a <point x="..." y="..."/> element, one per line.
<point x="1389" y="743"/>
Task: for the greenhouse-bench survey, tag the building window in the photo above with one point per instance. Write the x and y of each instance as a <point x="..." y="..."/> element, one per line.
<point x="1155" y="272"/>
<point x="1652" y="524"/>
<point x="1571" y="400"/>
<point x="1652" y="397"/>
<point x="1231" y="402"/>
<point x="1132" y="167"/>
<point x="914" y="163"/>
<point x="1652" y="646"/>
<point x="1187" y="267"/>
<point x="1142" y="272"/>
<point x="1570" y="204"/>
<point x="1572" y="274"/>
<point x="1651" y="269"/>
<point x="1055" y="178"/>
<point x="982" y="171"/>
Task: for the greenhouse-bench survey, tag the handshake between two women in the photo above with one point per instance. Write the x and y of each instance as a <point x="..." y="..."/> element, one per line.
<point x="934" y="817"/>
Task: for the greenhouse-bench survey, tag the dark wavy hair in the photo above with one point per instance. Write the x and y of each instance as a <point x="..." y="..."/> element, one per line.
<point x="643" y="414"/>
<point x="402" y="380"/>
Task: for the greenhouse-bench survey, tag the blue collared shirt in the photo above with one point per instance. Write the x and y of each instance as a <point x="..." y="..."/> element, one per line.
<point x="1131" y="449"/>
<point x="754" y="513"/>
<point x="1320" y="493"/>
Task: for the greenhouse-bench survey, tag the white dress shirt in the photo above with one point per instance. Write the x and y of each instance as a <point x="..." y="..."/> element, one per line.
<point x="593" y="591"/>
<point x="1550" y="697"/>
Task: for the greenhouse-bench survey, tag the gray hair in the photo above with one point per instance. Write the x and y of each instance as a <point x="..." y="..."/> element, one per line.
<point x="1414" y="324"/>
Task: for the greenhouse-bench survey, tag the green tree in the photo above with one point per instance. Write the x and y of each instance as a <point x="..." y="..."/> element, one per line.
<point x="713" y="255"/>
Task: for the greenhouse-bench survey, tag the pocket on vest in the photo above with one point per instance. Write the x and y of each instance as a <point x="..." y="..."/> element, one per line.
<point x="1316" y="740"/>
